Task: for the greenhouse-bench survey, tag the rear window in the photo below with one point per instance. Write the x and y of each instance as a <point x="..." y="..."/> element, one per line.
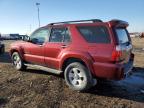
<point x="122" y="35"/>
<point x="95" y="34"/>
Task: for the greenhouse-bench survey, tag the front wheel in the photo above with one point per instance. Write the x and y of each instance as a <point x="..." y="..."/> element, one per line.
<point x="78" y="77"/>
<point x="17" y="61"/>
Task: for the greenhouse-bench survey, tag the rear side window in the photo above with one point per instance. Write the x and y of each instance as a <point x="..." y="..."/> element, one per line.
<point x="95" y="34"/>
<point x="59" y="35"/>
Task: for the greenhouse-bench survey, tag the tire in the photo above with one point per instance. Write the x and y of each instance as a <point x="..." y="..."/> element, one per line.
<point x="78" y="77"/>
<point x="18" y="62"/>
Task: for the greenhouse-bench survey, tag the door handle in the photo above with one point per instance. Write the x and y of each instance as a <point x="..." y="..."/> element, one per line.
<point x="63" y="46"/>
<point x="40" y="45"/>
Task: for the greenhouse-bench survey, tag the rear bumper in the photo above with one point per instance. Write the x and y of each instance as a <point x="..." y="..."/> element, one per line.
<point x="112" y="71"/>
<point x="128" y="68"/>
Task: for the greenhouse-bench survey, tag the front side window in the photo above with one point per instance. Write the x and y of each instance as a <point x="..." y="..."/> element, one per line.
<point x="59" y="35"/>
<point x="40" y="36"/>
<point x="122" y="35"/>
<point x="95" y="34"/>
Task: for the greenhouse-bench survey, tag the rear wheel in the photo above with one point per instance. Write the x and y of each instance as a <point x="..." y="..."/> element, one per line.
<point x="17" y="61"/>
<point x="78" y="77"/>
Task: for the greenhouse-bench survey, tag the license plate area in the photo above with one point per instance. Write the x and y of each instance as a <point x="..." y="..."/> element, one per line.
<point x="128" y="68"/>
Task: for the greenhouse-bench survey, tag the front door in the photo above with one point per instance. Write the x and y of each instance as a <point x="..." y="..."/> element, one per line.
<point x="36" y="46"/>
<point x="59" y="41"/>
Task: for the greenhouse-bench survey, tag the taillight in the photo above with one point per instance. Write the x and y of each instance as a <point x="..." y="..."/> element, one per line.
<point x="117" y="54"/>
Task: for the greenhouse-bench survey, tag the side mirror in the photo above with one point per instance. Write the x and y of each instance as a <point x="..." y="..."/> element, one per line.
<point x="34" y="40"/>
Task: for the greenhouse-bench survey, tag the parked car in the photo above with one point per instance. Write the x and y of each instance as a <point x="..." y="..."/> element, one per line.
<point x="2" y="48"/>
<point x="84" y="51"/>
<point x="142" y="35"/>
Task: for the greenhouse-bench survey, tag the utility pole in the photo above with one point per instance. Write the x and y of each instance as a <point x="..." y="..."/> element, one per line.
<point x="37" y="4"/>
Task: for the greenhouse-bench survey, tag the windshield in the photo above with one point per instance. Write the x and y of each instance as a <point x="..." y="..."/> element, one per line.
<point x="122" y="35"/>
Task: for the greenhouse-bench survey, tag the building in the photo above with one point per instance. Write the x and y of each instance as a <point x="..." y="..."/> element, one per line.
<point x="10" y="36"/>
<point x="135" y="34"/>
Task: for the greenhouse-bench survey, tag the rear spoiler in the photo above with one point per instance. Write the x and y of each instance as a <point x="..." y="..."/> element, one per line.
<point x="118" y="23"/>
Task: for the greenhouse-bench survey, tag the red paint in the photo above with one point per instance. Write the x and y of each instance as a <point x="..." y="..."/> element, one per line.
<point x="97" y="57"/>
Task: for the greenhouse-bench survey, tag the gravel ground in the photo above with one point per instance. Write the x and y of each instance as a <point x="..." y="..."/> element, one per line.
<point x="35" y="88"/>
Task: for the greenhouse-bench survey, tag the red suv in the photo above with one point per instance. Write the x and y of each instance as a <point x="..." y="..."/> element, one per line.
<point x="84" y="51"/>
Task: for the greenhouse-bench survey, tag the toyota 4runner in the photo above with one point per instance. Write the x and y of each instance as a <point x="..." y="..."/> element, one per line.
<point x="83" y="50"/>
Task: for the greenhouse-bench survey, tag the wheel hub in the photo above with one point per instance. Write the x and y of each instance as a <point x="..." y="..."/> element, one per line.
<point x="17" y="61"/>
<point x="76" y="77"/>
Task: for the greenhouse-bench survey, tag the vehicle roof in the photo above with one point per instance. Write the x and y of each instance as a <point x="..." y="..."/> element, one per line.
<point x="88" y="22"/>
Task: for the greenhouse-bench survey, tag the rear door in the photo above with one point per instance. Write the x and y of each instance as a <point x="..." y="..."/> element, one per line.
<point x="58" y="42"/>
<point x="124" y="43"/>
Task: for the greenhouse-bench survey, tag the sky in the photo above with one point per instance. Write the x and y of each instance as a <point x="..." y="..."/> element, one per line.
<point x="20" y="16"/>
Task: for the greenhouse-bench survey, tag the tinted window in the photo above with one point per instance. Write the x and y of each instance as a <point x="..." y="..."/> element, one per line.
<point x="40" y="36"/>
<point x="95" y="34"/>
<point x="67" y="36"/>
<point x="122" y="35"/>
<point x="59" y="35"/>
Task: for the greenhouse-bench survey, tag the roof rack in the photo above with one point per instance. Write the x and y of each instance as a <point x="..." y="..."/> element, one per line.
<point x="77" y="21"/>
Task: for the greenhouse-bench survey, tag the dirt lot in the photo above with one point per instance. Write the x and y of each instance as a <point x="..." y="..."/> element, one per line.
<point x="38" y="89"/>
